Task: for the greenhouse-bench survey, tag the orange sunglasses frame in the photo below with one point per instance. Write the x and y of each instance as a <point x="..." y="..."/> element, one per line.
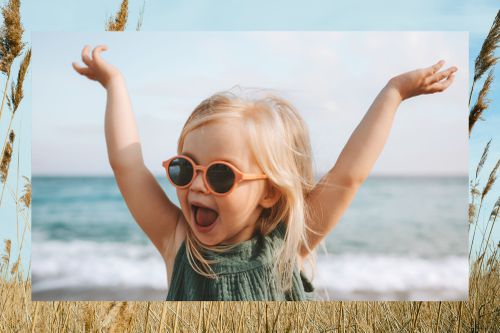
<point x="238" y="175"/>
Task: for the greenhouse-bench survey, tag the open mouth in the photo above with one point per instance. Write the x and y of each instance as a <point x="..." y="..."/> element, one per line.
<point x="203" y="216"/>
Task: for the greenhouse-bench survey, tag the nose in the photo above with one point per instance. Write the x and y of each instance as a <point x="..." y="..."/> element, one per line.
<point x="198" y="184"/>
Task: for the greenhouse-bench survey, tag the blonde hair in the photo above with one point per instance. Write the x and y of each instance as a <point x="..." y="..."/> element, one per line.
<point x="279" y="141"/>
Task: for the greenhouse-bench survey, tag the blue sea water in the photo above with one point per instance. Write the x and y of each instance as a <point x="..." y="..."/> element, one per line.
<point x="407" y="234"/>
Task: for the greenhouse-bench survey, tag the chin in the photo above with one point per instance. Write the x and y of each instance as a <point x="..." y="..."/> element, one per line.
<point x="207" y="241"/>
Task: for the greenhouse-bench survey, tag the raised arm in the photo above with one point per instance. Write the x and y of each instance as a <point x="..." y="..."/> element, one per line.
<point x="147" y="202"/>
<point x="333" y="194"/>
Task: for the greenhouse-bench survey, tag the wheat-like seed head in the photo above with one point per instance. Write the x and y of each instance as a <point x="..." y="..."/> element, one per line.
<point x="16" y="93"/>
<point x="6" y="158"/>
<point x="6" y="256"/>
<point x="494" y="211"/>
<point x="15" y="268"/>
<point x="120" y="20"/>
<point x="491" y="180"/>
<point x="486" y="58"/>
<point x="484" y="156"/>
<point x="26" y="198"/>
<point x="11" y="35"/>
<point x="472" y="212"/>
<point x="482" y="102"/>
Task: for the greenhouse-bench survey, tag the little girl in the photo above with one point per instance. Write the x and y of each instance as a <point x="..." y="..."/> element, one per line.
<point x="250" y="211"/>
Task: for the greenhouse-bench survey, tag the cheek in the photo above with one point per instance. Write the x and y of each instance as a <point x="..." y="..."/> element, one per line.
<point x="240" y="204"/>
<point x="182" y="197"/>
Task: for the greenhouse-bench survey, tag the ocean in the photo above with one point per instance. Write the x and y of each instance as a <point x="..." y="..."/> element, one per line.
<point x="402" y="238"/>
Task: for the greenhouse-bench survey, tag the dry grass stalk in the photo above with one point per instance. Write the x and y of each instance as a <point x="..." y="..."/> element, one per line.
<point x="147" y="317"/>
<point x="6" y="158"/>
<point x="492" y="218"/>
<point x="471" y="213"/>
<point x="484" y="156"/>
<point x="14" y="101"/>
<point x="475" y="183"/>
<point x="11" y="45"/>
<point x="33" y="324"/>
<point x="141" y="17"/>
<point x="123" y="319"/>
<point x="491" y="180"/>
<point x="88" y="317"/>
<point x="487" y="188"/>
<point x="11" y="35"/>
<point x="26" y="197"/>
<point x="486" y="58"/>
<point x="110" y="314"/>
<point x="163" y="314"/>
<point x="16" y="94"/>
<point x="119" y="22"/>
<point x="482" y="102"/>
<point x="357" y="316"/>
<point x="177" y="315"/>
<point x="15" y="267"/>
<point x="6" y="256"/>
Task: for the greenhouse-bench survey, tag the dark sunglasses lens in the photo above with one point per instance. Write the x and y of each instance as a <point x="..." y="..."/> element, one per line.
<point x="220" y="177"/>
<point x="180" y="171"/>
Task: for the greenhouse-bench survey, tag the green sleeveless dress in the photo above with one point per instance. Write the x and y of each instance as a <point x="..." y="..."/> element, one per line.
<point x="245" y="273"/>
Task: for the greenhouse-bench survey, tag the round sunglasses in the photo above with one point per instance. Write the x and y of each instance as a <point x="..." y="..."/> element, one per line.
<point x="220" y="177"/>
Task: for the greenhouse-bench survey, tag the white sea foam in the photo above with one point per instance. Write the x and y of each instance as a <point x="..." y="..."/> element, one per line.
<point x="84" y="264"/>
<point x="393" y="277"/>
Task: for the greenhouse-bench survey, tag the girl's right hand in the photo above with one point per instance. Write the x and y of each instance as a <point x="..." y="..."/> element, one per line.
<point x="97" y="69"/>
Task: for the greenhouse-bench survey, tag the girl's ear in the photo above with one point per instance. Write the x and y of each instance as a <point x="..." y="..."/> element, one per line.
<point x="271" y="196"/>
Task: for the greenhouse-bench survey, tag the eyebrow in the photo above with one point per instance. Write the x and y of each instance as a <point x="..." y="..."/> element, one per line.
<point x="191" y="156"/>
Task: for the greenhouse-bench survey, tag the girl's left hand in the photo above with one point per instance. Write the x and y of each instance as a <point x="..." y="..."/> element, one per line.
<point x="423" y="81"/>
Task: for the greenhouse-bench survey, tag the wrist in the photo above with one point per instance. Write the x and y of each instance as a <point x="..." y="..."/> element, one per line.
<point x="113" y="80"/>
<point x="392" y="88"/>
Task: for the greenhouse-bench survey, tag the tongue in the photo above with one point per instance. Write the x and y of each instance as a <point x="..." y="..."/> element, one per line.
<point x="205" y="216"/>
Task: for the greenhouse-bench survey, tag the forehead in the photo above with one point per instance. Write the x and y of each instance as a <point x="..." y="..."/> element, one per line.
<point x="225" y="140"/>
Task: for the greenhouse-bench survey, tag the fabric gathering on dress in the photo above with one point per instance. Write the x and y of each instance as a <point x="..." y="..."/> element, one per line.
<point x="244" y="273"/>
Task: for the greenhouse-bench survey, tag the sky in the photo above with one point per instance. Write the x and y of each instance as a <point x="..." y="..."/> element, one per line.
<point x="331" y="77"/>
<point x="228" y="15"/>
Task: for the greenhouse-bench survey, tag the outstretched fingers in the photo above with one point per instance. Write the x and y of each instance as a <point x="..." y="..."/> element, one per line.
<point x="86" y="56"/>
<point x="442" y="85"/>
<point x="434" y="68"/>
<point x="96" y="53"/>
<point x="83" y="70"/>
<point x="442" y="75"/>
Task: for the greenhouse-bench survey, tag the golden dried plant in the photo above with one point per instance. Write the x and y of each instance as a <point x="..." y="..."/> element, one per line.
<point x="11" y="35"/>
<point x="119" y="22"/>
<point x="26" y="197"/>
<point x="486" y="57"/>
<point x="16" y="93"/>
<point x="484" y="156"/>
<point x="123" y="319"/>
<point x="13" y="103"/>
<point x="482" y="102"/>
<point x="11" y="45"/>
<point x="141" y="17"/>
<point x="6" y="157"/>
<point x="491" y="180"/>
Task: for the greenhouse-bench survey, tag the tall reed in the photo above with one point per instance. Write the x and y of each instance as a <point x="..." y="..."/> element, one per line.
<point x="13" y="102"/>
<point x="11" y="45"/>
